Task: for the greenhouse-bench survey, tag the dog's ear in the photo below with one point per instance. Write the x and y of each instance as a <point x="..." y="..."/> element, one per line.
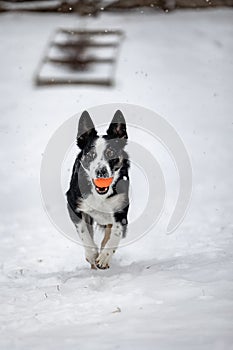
<point x="86" y="130"/>
<point x="117" y="128"/>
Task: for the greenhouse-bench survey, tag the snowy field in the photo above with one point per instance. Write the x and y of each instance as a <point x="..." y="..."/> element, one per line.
<point x="163" y="292"/>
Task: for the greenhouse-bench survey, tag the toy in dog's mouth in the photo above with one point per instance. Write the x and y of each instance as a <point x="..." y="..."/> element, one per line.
<point x="102" y="184"/>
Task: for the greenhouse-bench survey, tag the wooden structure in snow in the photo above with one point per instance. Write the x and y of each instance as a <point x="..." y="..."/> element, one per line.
<point x="80" y="57"/>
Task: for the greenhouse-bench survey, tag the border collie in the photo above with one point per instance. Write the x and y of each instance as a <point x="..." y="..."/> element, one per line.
<point x="98" y="192"/>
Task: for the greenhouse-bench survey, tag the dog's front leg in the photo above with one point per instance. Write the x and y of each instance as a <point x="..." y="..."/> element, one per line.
<point x="110" y="246"/>
<point x="91" y="249"/>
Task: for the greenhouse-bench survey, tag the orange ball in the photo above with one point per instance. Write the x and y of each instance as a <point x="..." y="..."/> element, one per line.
<point x="103" y="182"/>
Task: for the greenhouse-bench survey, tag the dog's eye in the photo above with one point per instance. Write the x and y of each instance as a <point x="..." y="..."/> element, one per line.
<point x="110" y="153"/>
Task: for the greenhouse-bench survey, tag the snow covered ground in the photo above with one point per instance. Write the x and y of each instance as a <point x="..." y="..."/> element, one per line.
<point x="162" y="292"/>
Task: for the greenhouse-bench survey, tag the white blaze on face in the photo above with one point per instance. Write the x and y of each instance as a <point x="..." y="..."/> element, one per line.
<point x="99" y="162"/>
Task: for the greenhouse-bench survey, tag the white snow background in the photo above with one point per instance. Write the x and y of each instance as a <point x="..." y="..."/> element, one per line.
<point x="163" y="292"/>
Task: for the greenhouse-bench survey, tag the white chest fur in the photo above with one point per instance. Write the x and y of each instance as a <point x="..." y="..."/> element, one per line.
<point x="102" y="210"/>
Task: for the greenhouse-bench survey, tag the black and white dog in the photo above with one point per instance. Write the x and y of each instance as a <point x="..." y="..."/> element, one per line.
<point x="99" y="186"/>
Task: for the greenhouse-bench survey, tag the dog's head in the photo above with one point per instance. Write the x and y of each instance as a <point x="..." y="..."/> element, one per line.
<point x="102" y="156"/>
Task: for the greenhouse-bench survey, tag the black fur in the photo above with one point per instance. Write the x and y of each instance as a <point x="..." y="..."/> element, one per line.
<point x="81" y="185"/>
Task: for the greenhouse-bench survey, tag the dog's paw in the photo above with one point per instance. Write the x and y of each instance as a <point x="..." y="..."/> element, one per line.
<point x="101" y="267"/>
<point x="91" y="255"/>
<point x="93" y="267"/>
<point x="102" y="262"/>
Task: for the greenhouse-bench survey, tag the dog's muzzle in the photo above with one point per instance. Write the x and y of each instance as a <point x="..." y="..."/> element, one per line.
<point x="102" y="184"/>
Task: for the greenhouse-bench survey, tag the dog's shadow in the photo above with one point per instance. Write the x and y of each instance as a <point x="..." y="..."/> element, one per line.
<point x="134" y="269"/>
<point x="117" y="269"/>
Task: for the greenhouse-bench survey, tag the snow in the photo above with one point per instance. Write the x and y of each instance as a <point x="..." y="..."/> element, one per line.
<point x="164" y="291"/>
